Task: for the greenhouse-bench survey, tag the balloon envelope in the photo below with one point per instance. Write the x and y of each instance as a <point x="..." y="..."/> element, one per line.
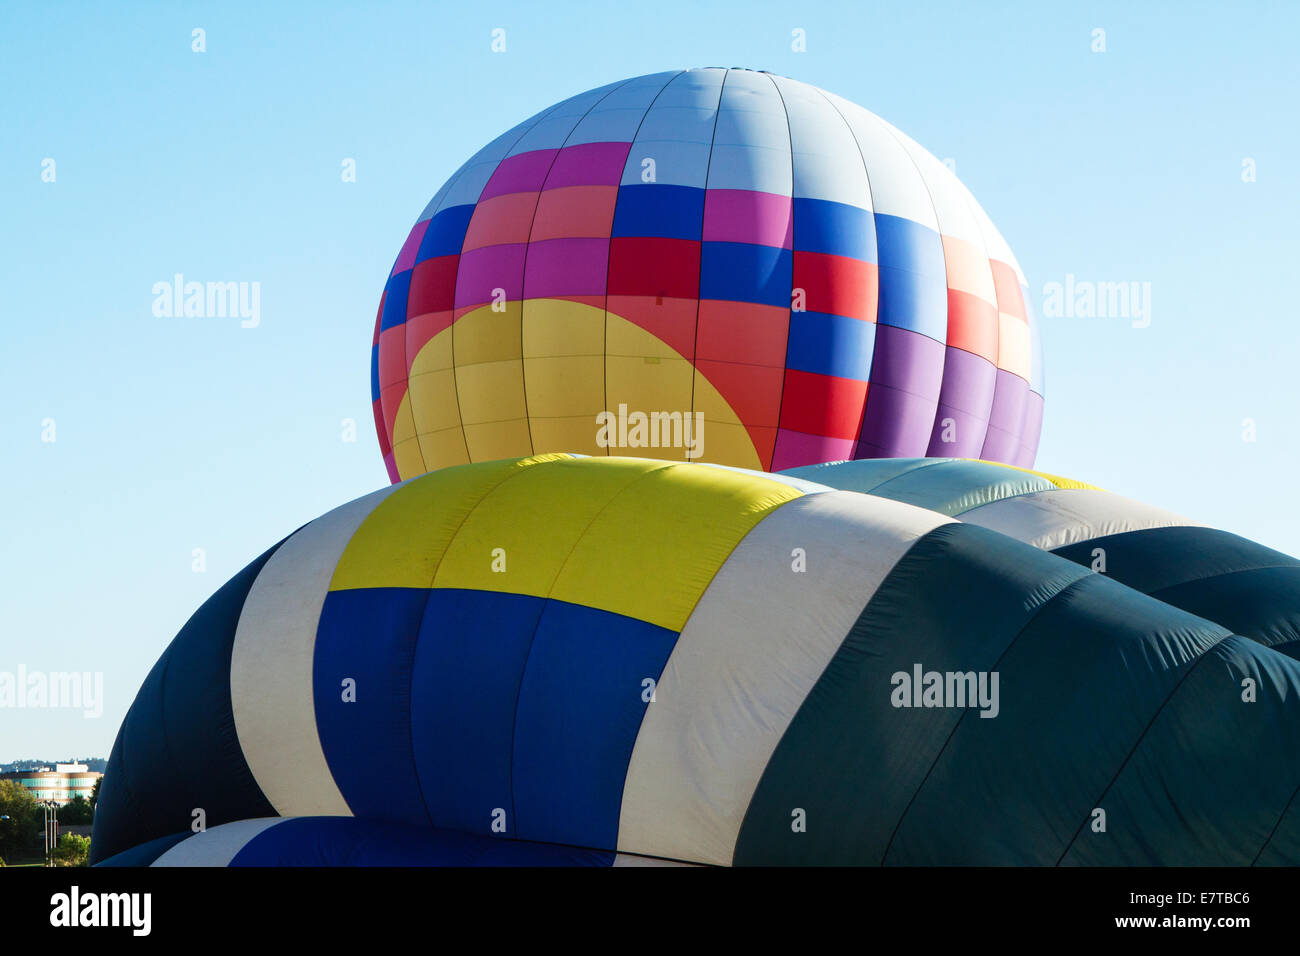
<point x="582" y="660"/>
<point x="729" y="266"/>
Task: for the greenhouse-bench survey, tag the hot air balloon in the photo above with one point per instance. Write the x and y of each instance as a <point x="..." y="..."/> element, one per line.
<point x="716" y="265"/>
<point x="608" y="660"/>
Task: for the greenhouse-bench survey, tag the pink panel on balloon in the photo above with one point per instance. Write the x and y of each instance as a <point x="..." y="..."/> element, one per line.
<point x="406" y="258"/>
<point x="590" y="164"/>
<point x="742" y="215"/>
<point x="519" y="174"/>
<point x="566" y="267"/>
<point x="795" y="448"/>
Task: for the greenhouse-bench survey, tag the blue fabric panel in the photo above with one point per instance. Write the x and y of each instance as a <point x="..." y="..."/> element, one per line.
<point x="913" y="281"/>
<point x="446" y="233"/>
<point x="396" y="294"/>
<point x="145" y="853"/>
<point x="464" y="686"/>
<point x="580" y="708"/>
<point x="834" y="228"/>
<point x="654" y="209"/>
<point x="830" y="345"/>
<point x="374" y="372"/>
<point x="745" y="272"/>
<point x="369" y="635"/>
<point x="348" y="841"/>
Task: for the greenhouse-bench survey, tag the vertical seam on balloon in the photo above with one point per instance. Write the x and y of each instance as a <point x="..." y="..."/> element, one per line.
<point x="789" y="314"/>
<point x="410" y="392"/>
<point x="938" y="228"/>
<point x="1273" y="832"/>
<point x="1015" y="266"/>
<point x="455" y="383"/>
<point x="1173" y="692"/>
<point x="969" y="200"/>
<point x="898" y="824"/>
<point x="532" y="640"/>
<point x="609" y="254"/>
<point x="523" y="266"/>
<point x="875" y="238"/>
<point x="699" y="281"/>
<point x="424" y="611"/>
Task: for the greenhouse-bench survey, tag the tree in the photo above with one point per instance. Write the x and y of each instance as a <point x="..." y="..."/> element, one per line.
<point x="76" y="812"/>
<point x="73" y="850"/>
<point x="94" y="794"/>
<point x="20" y="820"/>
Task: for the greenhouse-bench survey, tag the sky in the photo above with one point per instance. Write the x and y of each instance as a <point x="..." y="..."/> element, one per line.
<point x="146" y="459"/>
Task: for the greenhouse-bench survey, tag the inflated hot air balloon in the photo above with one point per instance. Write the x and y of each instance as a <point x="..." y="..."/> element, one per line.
<point x="707" y="265"/>
<point x="606" y="660"/>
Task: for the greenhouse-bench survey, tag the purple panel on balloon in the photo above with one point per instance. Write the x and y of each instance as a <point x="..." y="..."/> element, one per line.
<point x="492" y="267"/>
<point x="1003" y="440"/>
<point x="566" y="267"/>
<point x="966" y="398"/>
<point x="1033" y="428"/>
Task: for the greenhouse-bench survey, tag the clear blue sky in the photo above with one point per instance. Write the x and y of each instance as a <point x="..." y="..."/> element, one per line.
<point x="176" y="434"/>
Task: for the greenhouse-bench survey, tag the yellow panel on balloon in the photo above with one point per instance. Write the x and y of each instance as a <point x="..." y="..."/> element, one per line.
<point x="442" y="449"/>
<point x="575" y="433"/>
<point x="559" y="327"/>
<point x="497" y="439"/>
<point x="524" y="530"/>
<point x="487" y="336"/>
<point x="491" y="392"/>
<point x="434" y="355"/>
<point x="408" y="457"/>
<point x="569" y="385"/>
<point x="652" y="532"/>
<point x="402" y="541"/>
<point x="661" y="384"/>
<point x="433" y="400"/>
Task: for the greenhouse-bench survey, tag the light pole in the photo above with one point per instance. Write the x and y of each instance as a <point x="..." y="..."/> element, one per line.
<point x="51" y="830"/>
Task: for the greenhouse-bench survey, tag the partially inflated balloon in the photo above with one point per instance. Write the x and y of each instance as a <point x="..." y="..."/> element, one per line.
<point x="595" y="660"/>
<point x="710" y="265"/>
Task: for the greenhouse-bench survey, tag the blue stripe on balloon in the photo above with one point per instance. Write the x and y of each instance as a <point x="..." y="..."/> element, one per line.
<point x="348" y="841"/>
<point x="464" y="685"/>
<point x="743" y="272"/>
<point x="374" y="372"/>
<point x="368" y="636"/>
<point x="395" y="296"/>
<point x="446" y="233"/>
<point x="673" y="212"/>
<point x="834" y="228"/>
<point x="580" y="708"/>
<point x="830" y="345"/>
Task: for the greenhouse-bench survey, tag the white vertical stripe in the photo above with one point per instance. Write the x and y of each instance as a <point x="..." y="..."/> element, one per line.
<point x="271" y="665"/>
<point x="750" y="652"/>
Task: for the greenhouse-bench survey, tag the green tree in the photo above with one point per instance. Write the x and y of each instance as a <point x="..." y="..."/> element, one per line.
<point x="94" y="794"/>
<point x="20" y="821"/>
<point x="73" y="850"/>
<point x="76" y="812"/>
